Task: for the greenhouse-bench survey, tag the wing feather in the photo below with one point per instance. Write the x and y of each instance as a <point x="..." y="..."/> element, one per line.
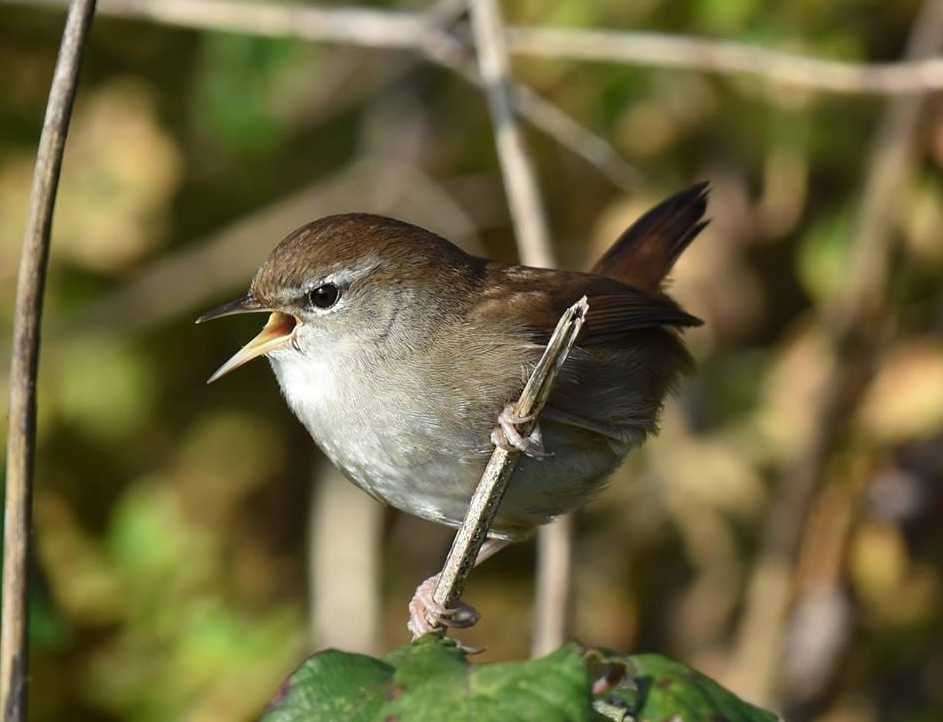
<point x="535" y="298"/>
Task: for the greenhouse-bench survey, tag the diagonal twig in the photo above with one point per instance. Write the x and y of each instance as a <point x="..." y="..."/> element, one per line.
<point x="21" y="440"/>
<point x="543" y="115"/>
<point x="557" y="124"/>
<point x="494" y="480"/>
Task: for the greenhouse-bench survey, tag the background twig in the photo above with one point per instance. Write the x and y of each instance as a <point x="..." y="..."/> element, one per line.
<point x="535" y="249"/>
<point x="21" y="441"/>
<point x="530" y="223"/>
<point x="487" y="497"/>
<point x="392" y="29"/>
<point x="420" y="32"/>
<point x="553" y="589"/>
<point x="344" y="579"/>
<point x="727" y="57"/>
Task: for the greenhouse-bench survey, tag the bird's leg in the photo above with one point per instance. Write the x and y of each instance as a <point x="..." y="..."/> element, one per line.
<point x="506" y="435"/>
<point x="426" y="615"/>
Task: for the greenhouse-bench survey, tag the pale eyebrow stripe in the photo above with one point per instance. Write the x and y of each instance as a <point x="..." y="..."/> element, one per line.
<point x="340" y="277"/>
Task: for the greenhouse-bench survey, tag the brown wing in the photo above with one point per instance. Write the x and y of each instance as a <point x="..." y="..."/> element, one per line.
<point x="533" y="299"/>
<point x="646" y="251"/>
<point x="612" y="315"/>
<point x="625" y="359"/>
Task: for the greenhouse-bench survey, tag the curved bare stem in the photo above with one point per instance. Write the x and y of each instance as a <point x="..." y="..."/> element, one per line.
<point x="21" y="440"/>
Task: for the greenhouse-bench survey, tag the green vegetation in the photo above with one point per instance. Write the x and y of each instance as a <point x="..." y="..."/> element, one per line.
<point x="431" y="680"/>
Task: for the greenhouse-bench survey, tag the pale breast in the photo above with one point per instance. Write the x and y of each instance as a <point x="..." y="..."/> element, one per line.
<point x="402" y="453"/>
<point x="425" y="455"/>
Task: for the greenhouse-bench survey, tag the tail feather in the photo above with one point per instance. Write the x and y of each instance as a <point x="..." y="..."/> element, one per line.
<point x="646" y="251"/>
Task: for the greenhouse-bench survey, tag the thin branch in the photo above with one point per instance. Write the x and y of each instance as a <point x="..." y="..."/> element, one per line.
<point x="543" y="115"/>
<point x="534" y="248"/>
<point x="490" y="490"/>
<point x="520" y="183"/>
<point x="21" y="439"/>
<point x="390" y="29"/>
<point x="422" y="33"/>
<point x="853" y="322"/>
<point x="356" y="26"/>
<point x="597" y="151"/>
<point x="729" y="58"/>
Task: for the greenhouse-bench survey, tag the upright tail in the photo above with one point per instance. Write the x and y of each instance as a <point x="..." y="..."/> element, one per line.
<point x="646" y="251"/>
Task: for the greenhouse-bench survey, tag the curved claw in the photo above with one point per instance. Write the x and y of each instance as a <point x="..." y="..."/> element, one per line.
<point x="506" y="435"/>
<point x="427" y="615"/>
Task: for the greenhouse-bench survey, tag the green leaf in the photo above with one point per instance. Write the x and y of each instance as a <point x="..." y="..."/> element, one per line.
<point x="435" y="682"/>
<point x="652" y="688"/>
<point x="431" y="680"/>
<point x="333" y="685"/>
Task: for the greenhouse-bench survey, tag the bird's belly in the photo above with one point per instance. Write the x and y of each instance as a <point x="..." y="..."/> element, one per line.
<point x="411" y="462"/>
<point x="438" y="486"/>
<point x="430" y="469"/>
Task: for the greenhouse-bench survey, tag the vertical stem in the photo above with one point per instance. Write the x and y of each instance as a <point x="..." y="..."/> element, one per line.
<point x="21" y="440"/>
<point x="552" y="598"/>
<point x="344" y="576"/>
<point x="535" y="249"/>
<point x="530" y="224"/>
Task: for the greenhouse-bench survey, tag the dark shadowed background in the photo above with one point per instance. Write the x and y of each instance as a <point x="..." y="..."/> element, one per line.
<point x="782" y="533"/>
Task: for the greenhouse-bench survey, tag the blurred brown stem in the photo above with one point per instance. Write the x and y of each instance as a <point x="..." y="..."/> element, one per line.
<point x="552" y="601"/>
<point x="853" y="322"/>
<point x="344" y="529"/>
<point x="535" y="249"/>
<point x="21" y="440"/>
<point x="520" y="182"/>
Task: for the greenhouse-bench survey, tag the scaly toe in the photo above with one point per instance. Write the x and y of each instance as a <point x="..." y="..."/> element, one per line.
<point x="426" y="615"/>
<point x="418" y="625"/>
<point x="506" y="436"/>
<point x="509" y="415"/>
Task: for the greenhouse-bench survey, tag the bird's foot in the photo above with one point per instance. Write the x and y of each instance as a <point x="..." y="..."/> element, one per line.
<point x="506" y="436"/>
<point x="427" y="615"/>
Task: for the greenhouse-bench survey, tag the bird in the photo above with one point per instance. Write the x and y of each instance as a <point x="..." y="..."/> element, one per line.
<point x="402" y="356"/>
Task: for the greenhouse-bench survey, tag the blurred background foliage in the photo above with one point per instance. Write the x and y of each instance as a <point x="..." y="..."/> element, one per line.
<point x="180" y="553"/>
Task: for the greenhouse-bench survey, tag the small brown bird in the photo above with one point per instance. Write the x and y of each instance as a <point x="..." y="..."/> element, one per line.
<point x="402" y="355"/>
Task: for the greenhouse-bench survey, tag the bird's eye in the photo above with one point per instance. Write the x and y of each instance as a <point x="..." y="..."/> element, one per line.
<point x="323" y="296"/>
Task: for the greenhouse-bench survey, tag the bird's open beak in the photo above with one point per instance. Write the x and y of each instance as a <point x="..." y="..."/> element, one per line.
<point x="244" y="304"/>
<point x="275" y="334"/>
